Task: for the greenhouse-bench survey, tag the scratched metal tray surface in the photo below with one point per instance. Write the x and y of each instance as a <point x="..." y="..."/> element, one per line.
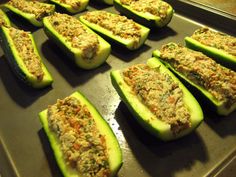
<point x="25" y="150"/>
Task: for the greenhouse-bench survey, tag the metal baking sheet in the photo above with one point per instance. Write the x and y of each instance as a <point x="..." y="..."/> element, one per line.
<point x="217" y="13"/>
<point x="226" y="6"/>
<point x="25" y="150"/>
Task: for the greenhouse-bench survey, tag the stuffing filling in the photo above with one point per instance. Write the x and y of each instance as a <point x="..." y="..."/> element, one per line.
<point x="202" y="70"/>
<point x="77" y="35"/>
<point x="117" y="24"/>
<point x="39" y="9"/>
<point x="27" y="53"/>
<point x="160" y="94"/>
<point x="75" y="4"/>
<point x="83" y="147"/>
<point x="215" y="39"/>
<point x="155" y="7"/>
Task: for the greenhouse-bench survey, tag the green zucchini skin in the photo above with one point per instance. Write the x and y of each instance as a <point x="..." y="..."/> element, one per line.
<point x="205" y="97"/>
<point x="220" y="56"/>
<point x="129" y="44"/>
<point x="75" y="54"/>
<point x="150" y="21"/>
<point x="16" y="62"/>
<point x="145" y="117"/>
<point x="70" y="9"/>
<point x="5" y="18"/>
<point x="114" y="151"/>
<point x="29" y="17"/>
<point x="108" y="2"/>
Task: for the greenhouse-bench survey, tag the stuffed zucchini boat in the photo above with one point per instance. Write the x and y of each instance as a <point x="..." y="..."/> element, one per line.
<point x="22" y="55"/>
<point x="214" y="83"/>
<point x="81" y="44"/>
<point x="82" y="141"/>
<point x="4" y="20"/>
<point x="116" y="28"/>
<point x="157" y="99"/>
<point x="217" y="45"/>
<point x="72" y="6"/>
<point x="32" y="11"/>
<point x="150" y="13"/>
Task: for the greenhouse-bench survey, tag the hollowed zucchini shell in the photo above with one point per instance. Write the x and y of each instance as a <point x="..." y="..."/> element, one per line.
<point x="145" y="117"/>
<point x="69" y="8"/>
<point x="114" y="151"/>
<point x="145" y="19"/>
<point x="5" y="18"/>
<point x="204" y="96"/>
<point x="28" y="16"/>
<point x="220" y="56"/>
<point x="16" y="63"/>
<point x="75" y="54"/>
<point x="127" y="43"/>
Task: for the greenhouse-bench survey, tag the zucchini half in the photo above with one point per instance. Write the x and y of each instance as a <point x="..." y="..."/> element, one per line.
<point x="127" y="43"/>
<point x="74" y="53"/>
<point x="4" y="19"/>
<point x="205" y="96"/>
<point x="114" y="151"/>
<point x="28" y="16"/>
<point x="82" y="5"/>
<point x="145" y="117"/>
<point x="220" y="56"/>
<point x="17" y="64"/>
<point x="143" y="18"/>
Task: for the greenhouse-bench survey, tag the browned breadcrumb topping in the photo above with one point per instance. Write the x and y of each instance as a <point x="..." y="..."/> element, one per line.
<point x="2" y="20"/>
<point x="117" y="24"/>
<point x="26" y="51"/>
<point x="160" y="93"/>
<point x="155" y="7"/>
<point x="75" y="4"/>
<point x="83" y="147"/>
<point x="203" y="71"/>
<point x="215" y="39"/>
<point x="75" y="33"/>
<point x="39" y="9"/>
